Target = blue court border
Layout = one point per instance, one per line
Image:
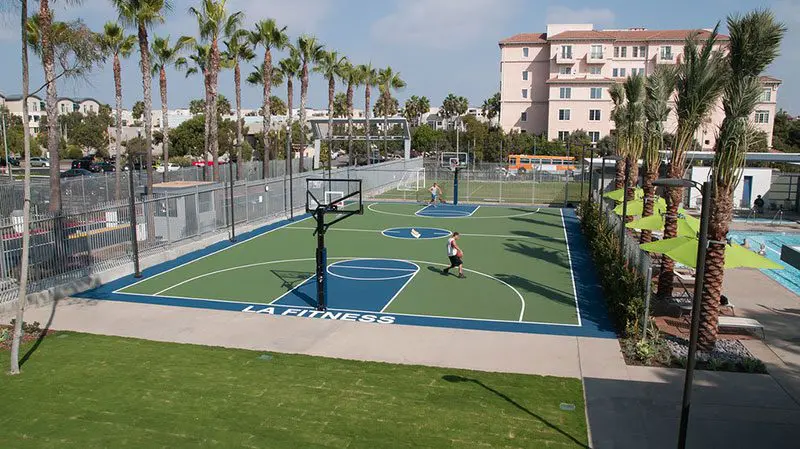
(595, 321)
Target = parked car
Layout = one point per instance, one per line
(40, 162)
(170, 167)
(13, 161)
(76, 172)
(104, 166)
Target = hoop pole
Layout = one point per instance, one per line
(455, 186)
(233, 217)
(137, 273)
(322, 286)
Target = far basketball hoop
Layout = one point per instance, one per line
(454, 163)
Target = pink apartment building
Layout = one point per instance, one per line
(556, 82)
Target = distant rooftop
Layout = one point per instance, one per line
(629, 35)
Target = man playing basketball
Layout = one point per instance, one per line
(455, 254)
(436, 192)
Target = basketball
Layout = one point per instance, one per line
(460, 254)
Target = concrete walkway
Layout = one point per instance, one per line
(627, 406)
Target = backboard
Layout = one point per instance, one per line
(334, 196)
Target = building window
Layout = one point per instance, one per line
(623, 52)
(615, 72)
(524, 93)
(563, 114)
(525, 75)
(616, 52)
(595, 70)
(596, 93)
(563, 135)
(622, 72)
(762, 117)
(565, 70)
(666, 52)
(566, 51)
(597, 52)
(594, 115)
(523, 117)
(766, 95)
(640, 51)
(594, 136)
(525, 52)
(565, 93)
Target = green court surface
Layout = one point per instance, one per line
(484, 191)
(516, 259)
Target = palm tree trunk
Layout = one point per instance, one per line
(367, 92)
(289, 96)
(303, 98)
(386, 97)
(648, 198)
(144, 51)
(619, 175)
(237, 81)
(206, 120)
(118, 143)
(633, 180)
(721, 216)
(350, 123)
(162, 81)
(267, 119)
(213, 130)
(331, 89)
(16, 340)
(48, 63)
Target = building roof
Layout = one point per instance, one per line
(78, 100)
(526, 38)
(18, 97)
(580, 80)
(770, 80)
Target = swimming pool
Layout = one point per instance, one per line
(789, 277)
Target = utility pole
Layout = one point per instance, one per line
(5, 145)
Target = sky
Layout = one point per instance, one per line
(438, 46)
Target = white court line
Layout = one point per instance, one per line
(353, 278)
(417, 213)
(430, 238)
(571, 271)
(209, 254)
(370, 268)
(474, 218)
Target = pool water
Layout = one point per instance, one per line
(789, 277)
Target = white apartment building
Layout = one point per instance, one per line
(557, 82)
(37, 107)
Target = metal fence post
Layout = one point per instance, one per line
(649, 286)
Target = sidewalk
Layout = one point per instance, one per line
(627, 407)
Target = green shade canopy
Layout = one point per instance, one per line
(619, 194)
(637, 207)
(684, 250)
(687, 225)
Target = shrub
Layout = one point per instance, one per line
(74, 152)
(182, 161)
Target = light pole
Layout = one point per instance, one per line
(700, 268)
(232, 160)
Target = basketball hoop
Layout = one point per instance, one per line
(454, 163)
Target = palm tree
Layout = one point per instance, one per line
(289, 69)
(237, 49)
(634, 134)
(270, 36)
(388, 80)
(143, 14)
(699, 84)
(201, 61)
(330, 66)
(353, 77)
(22, 299)
(166, 55)
(213, 22)
(659, 88)
(618, 116)
(115, 43)
(754, 42)
(369, 78)
(310, 51)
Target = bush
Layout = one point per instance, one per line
(624, 287)
(182, 161)
(74, 152)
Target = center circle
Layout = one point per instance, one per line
(416, 233)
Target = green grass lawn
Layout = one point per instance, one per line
(86, 391)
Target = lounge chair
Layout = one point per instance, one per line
(733, 322)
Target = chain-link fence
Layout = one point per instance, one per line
(635, 256)
(99, 237)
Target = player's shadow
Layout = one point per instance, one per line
(531, 219)
(459, 379)
(556, 257)
(291, 279)
(537, 236)
(537, 288)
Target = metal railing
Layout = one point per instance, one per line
(79, 244)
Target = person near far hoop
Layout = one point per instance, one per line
(455, 254)
(436, 192)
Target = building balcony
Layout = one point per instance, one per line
(666, 58)
(565, 59)
(596, 58)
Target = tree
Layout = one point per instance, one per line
(142, 15)
(309, 51)
(165, 55)
(754, 43)
(414, 108)
(786, 133)
(213, 22)
(289, 68)
(423, 138)
(634, 133)
(618, 116)
(201, 63)
(700, 82)
(340, 105)
(75, 49)
(238, 49)
(353, 77)
(277, 106)
(386, 106)
(268, 35)
(91, 131)
(389, 80)
(658, 89)
(453, 106)
(16, 339)
(369, 78)
(115, 43)
(491, 107)
(330, 66)
(197, 107)
(188, 138)
(138, 110)
(605, 146)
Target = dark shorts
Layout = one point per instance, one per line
(455, 261)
